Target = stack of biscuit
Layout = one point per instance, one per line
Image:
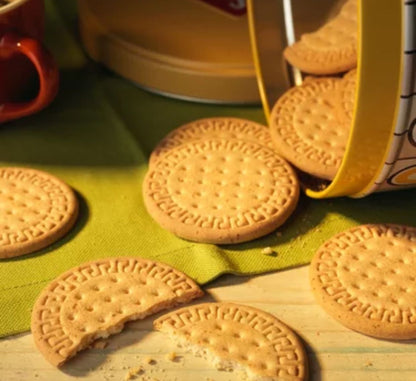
(310, 123)
(228, 180)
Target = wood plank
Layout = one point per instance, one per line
(335, 352)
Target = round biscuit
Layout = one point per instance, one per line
(36, 209)
(218, 127)
(365, 278)
(220, 190)
(331, 49)
(96, 299)
(348, 88)
(233, 334)
(306, 127)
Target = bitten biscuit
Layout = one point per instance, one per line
(308, 128)
(218, 127)
(365, 278)
(96, 299)
(332, 48)
(36, 209)
(220, 190)
(234, 336)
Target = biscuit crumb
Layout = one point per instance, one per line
(133, 372)
(171, 356)
(99, 344)
(150, 361)
(268, 251)
(278, 234)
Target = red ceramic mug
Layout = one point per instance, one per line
(29, 76)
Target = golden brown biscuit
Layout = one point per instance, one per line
(215, 127)
(365, 278)
(308, 129)
(332, 48)
(36, 209)
(220, 190)
(96, 299)
(234, 336)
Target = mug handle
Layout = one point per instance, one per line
(45, 66)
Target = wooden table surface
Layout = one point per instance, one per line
(335, 353)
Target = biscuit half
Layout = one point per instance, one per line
(96, 299)
(238, 337)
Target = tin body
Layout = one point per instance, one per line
(196, 50)
(381, 151)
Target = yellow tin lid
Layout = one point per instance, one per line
(185, 48)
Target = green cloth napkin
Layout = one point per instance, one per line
(97, 136)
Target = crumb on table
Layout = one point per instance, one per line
(171, 356)
(150, 361)
(267, 250)
(133, 372)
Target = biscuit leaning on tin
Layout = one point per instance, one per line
(310, 125)
(331, 49)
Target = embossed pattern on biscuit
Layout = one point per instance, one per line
(332, 48)
(220, 191)
(36, 209)
(365, 278)
(239, 336)
(218, 127)
(96, 299)
(307, 128)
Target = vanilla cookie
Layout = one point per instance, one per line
(307, 128)
(220, 190)
(96, 299)
(348, 89)
(36, 209)
(365, 278)
(332, 48)
(219, 127)
(234, 336)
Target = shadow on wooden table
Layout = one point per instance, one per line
(314, 370)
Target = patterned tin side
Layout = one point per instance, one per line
(399, 170)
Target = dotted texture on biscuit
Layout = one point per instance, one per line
(220, 191)
(220, 127)
(258, 341)
(36, 209)
(366, 279)
(332, 48)
(94, 300)
(348, 88)
(307, 128)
